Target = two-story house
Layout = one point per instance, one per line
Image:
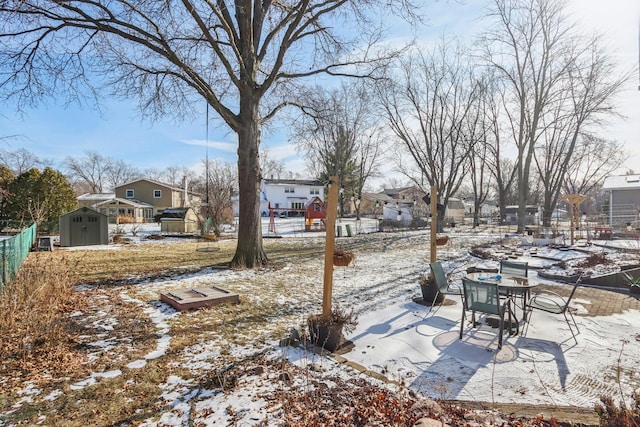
(283, 194)
(142, 199)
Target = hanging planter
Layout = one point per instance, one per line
(342, 258)
(442, 240)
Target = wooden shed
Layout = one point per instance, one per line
(315, 215)
(83, 227)
(179, 220)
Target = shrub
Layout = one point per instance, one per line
(33, 309)
(593, 260)
(612, 416)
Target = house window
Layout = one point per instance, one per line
(289, 190)
(128, 194)
(157, 194)
(297, 205)
(314, 191)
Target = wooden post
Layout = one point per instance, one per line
(574, 201)
(434, 222)
(332, 206)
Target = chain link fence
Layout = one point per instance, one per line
(14, 250)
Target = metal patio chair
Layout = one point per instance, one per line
(518, 269)
(444, 287)
(483, 297)
(514, 268)
(554, 303)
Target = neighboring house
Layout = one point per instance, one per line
(405, 196)
(159, 195)
(283, 194)
(140, 200)
(488, 209)
(372, 204)
(624, 200)
(405, 203)
(83, 227)
(533, 215)
(454, 213)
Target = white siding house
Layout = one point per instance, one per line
(282, 194)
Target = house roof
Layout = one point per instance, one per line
(621, 182)
(381, 197)
(95, 196)
(130, 202)
(308, 182)
(162, 184)
(394, 191)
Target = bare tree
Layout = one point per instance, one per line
(530, 45)
(20, 160)
(595, 159)
(220, 181)
(175, 176)
(340, 133)
(240, 56)
(430, 107)
(120, 173)
(591, 85)
(271, 168)
(480, 172)
(91, 169)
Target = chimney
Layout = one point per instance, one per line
(185, 198)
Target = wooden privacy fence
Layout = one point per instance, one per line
(14, 251)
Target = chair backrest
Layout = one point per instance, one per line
(481, 296)
(573, 291)
(515, 268)
(438, 275)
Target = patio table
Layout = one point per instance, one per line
(511, 285)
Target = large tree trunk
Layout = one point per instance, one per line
(249, 252)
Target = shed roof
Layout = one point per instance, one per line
(621, 182)
(83, 210)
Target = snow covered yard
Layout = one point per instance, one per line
(225, 365)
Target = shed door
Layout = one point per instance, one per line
(85, 230)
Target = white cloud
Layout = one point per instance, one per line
(229, 147)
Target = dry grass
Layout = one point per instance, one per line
(129, 262)
(33, 335)
(48, 326)
(48, 331)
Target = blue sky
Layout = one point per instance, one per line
(54, 132)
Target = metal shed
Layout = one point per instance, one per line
(83, 227)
